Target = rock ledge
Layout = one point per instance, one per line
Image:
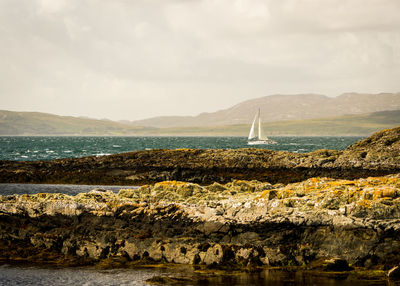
(241, 223)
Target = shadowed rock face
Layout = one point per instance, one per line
(239, 224)
(374, 156)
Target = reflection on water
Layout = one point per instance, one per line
(183, 275)
(10, 275)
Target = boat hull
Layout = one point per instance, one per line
(261, 142)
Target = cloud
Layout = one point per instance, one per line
(190, 56)
(51, 6)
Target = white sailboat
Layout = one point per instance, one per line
(260, 138)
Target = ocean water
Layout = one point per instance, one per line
(28, 148)
(19, 275)
(72, 190)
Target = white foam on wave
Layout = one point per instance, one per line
(67, 151)
(116, 146)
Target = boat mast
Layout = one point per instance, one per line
(261, 135)
(259, 125)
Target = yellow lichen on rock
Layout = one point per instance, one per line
(374, 196)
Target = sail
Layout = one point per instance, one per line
(261, 135)
(252, 134)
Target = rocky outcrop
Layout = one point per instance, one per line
(375, 156)
(381, 150)
(241, 223)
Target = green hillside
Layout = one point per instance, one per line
(35, 123)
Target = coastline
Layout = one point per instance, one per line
(373, 156)
(350, 222)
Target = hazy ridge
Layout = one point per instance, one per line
(305, 114)
(283, 107)
(35, 123)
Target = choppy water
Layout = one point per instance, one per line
(28, 148)
(11, 189)
(12, 275)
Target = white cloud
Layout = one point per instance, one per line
(52, 6)
(190, 56)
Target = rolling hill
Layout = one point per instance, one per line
(283, 107)
(364, 124)
(35, 123)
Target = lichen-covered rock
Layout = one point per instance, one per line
(213, 255)
(379, 151)
(245, 223)
(175, 221)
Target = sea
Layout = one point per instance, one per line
(31, 148)
(186, 275)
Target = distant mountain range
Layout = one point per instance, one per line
(35, 123)
(360, 124)
(282, 107)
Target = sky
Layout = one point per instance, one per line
(135, 59)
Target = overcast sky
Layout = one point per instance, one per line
(133, 59)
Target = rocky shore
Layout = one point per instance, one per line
(318, 222)
(377, 155)
(345, 217)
